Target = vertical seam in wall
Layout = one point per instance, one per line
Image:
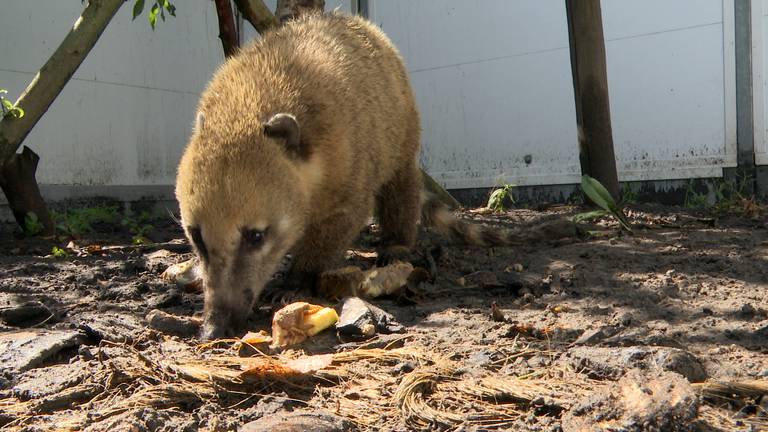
(744, 84)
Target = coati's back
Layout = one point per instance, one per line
(298, 137)
(344, 82)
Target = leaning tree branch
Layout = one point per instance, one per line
(55, 73)
(287, 9)
(258, 14)
(227, 30)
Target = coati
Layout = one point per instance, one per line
(298, 137)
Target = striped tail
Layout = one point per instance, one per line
(436, 215)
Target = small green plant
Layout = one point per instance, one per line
(139, 227)
(32, 224)
(159, 8)
(694, 199)
(499, 196)
(58, 252)
(600, 196)
(628, 196)
(9, 108)
(731, 195)
(728, 196)
(76, 222)
(590, 216)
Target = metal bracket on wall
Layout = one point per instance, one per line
(746, 172)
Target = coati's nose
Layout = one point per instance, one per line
(221, 325)
(211, 332)
(215, 330)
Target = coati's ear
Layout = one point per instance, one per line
(285, 126)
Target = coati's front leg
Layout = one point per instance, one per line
(324, 243)
(398, 206)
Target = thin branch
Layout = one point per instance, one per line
(258, 14)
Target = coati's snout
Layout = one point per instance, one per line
(236, 260)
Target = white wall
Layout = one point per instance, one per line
(671, 79)
(493, 80)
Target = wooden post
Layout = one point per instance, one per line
(230, 40)
(590, 85)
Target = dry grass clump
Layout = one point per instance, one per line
(371, 387)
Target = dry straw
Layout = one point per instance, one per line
(438, 392)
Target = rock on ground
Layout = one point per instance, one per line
(641, 401)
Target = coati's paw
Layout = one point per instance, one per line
(390, 254)
(294, 286)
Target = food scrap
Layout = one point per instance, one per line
(297, 321)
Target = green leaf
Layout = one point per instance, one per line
(3, 91)
(19, 113)
(495, 201)
(589, 216)
(59, 252)
(170, 8)
(138, 8)
(32, 224)
(600, 196)
(153, 15)
(498, 196)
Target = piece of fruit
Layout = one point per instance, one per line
(298, 321)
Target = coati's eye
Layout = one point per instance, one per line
(253, 238)
(197, 240)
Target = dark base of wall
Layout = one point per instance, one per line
(160, 200)
(667, 192)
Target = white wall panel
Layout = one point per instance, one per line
(671, 79)
(493, 80)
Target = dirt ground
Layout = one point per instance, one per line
(547, 336)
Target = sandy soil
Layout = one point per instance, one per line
(685, 293)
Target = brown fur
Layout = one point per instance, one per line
(345, 84)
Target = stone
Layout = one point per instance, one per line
(595, 336)
(641, 401)
(361, 320)
(299, 422)
(31, 312)
(27, 349)
(113, 327)
(173, 325)
(612, 362)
